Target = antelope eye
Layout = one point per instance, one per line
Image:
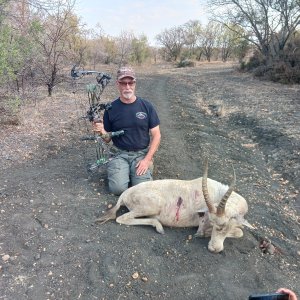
(219, 228)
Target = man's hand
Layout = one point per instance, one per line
(292, 295)
(99, 128)
(142, 166)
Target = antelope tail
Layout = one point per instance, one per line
(109, 215)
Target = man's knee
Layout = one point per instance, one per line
(117, 188)
(118, 176)
(142, 178)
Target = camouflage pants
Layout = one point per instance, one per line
(121, 171)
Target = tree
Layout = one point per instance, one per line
(3, 10)
(192, 36)
(10, 54)
(95, 51)
(124, 44)
(173, 40)
(76, 42)
(231, 43)
(210, 39)
(140, 50)
(16, 46)
(31, 46)
(268, 24)
(51, 31)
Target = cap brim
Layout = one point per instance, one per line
(126, 76)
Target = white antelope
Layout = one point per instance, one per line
(215, 208)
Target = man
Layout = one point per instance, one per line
(140, 122)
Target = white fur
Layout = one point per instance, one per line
(176, 203)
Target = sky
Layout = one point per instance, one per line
(149, 17)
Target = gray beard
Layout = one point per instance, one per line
(127, 95)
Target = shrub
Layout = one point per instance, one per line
(260, 71)
(283, 72)
(185, 63)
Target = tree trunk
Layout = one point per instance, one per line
(50, 88)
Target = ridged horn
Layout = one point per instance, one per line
(222, 204)
(210, 206)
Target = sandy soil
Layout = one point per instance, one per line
(50, 247)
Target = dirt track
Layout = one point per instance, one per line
(50, 247)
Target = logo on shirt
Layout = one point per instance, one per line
(141, 115)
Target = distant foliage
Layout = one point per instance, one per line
(272, 27)
(185, 63)
(284, 70)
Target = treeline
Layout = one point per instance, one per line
(194, 41)
(40, 40)
(272, 29)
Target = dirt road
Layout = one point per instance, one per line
(50, 247)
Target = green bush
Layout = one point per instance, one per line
(185, 63)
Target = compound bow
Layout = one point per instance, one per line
(94, 91)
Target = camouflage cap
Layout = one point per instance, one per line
(125, 72)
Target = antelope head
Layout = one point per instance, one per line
(222, 225)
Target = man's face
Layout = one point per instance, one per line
(126, 87)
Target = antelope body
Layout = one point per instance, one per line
(213, 207)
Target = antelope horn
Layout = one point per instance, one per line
(210, 206)
(222, 204)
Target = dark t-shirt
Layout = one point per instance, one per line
(136, 119)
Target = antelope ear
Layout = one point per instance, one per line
(202, 212)
(247, 224)
(243, 222)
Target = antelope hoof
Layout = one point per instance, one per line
(160, 230)
(199, 234)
